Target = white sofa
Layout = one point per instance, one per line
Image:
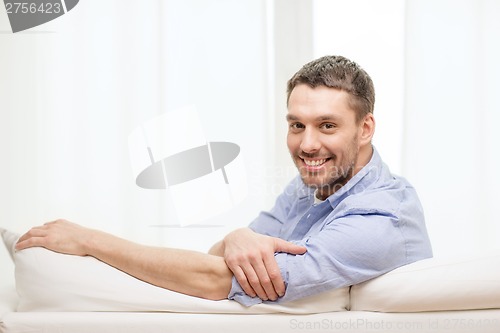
(59, 293)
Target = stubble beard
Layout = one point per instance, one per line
(334, 177)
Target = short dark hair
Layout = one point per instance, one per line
(340, 73)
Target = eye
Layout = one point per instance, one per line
(328, 126)
(296, 127)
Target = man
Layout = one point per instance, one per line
(343, 220)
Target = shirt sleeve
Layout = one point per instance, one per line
(349, 250)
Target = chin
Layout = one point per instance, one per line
(314, 183)
(328, 185)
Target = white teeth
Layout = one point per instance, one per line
(315, 162)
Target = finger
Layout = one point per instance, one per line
(33, 232)
(242, 280)
(274, 273)
(235, 267)
(288, 247)
(29, 242)
(265, 280)
(254, 281)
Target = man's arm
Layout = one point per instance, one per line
(187, 272)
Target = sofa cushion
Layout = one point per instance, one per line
(50, 281)
(466, 283)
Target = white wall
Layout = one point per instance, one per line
(451, 114)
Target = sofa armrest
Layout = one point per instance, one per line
(465, 283)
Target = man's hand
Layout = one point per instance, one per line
(59, 236)
(250, 256)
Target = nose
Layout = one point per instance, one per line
(310, 142)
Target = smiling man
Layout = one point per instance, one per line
(343, 220)
(355, 219)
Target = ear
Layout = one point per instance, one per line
(366, 129)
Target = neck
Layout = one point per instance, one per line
(364, 157)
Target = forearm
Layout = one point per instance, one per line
(184, 271)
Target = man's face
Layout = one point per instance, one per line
(323, 137)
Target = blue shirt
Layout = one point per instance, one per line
(370, 226)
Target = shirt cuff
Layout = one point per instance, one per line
(237, 294)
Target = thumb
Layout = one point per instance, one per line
(281, 245)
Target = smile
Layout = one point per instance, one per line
(314, 163)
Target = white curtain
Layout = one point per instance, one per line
(72, 90)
